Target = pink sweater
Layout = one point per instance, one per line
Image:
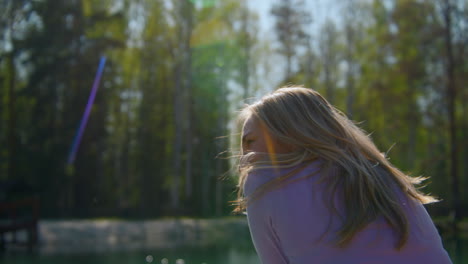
(288, 225)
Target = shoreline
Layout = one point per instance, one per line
(57, 236)
(97, 235)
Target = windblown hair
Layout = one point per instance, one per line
(351, 163)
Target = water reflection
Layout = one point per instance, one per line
(164, 242)
(149, 258)
(457, 248)
(212, 255)
(182, 241)
(104, 236)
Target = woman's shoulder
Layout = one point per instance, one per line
(261, 176)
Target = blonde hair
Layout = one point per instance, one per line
(303, 119)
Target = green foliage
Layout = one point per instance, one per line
(400, 89)
(175, 72)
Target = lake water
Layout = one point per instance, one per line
(193, 255)
(216, 249)
(169, 256)
(457, 249)
(166, 241)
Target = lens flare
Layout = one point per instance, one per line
(84, 119)
(270, 146)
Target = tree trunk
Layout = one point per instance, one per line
(247, 46)
(188, 83)
(308, 67)
(182, 97)
(451, 95)
(177, 154)
(350, 72)
(189, 139)
(330, 92)
(11, 134)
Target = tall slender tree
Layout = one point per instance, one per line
(448, 8)
(330, 58)
(290, 27)
(183, 13)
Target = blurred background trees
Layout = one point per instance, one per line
(176, 72)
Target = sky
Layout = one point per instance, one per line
(321, 10)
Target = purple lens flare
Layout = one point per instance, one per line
(84, 119)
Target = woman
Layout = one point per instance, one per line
(317, 190)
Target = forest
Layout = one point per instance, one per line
(161, 130)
